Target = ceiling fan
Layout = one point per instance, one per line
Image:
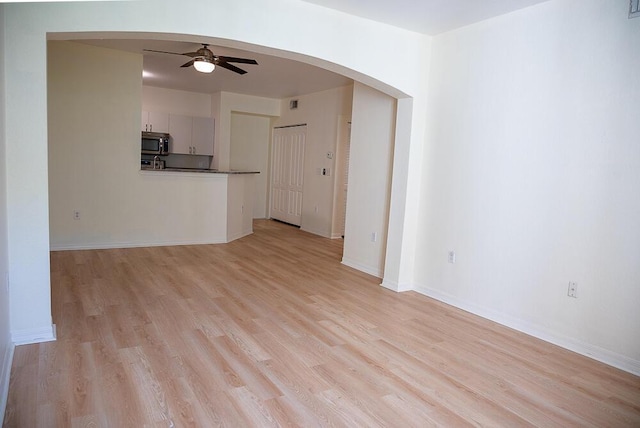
(205, 61)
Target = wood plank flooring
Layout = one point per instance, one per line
(271, 330)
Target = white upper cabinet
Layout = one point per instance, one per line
(180, 128)
(202, 136)
(191, 135)
(154, 121)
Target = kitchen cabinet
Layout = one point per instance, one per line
(154, 121)
(191, 135)
(180, 129)
(202, 136)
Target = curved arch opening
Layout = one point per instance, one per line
(366, 246)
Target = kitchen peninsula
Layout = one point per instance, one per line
(222, 200)
(198, 170)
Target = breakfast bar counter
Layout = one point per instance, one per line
(198, 170)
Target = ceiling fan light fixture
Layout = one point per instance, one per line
(203, 65)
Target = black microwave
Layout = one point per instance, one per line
(154, 143)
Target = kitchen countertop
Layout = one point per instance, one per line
(199, 170)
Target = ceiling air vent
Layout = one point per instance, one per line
(634, 8)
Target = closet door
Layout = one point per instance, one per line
(287, 173)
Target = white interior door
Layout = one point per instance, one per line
(287, 174)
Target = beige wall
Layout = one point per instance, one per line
(94, 162)
(250, 137)
(223, 105)
(341, 176)
(321, 112)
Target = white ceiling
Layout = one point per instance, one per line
(276, 77)
(427, 16)
(273, 77)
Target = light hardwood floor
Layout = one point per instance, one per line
(271, 330)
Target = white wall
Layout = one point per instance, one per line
(532, 175)
(177, 102)
(250, 137)
(321, 112)
(370, 171)
(94, 162)
(5, 331)
(223, 104)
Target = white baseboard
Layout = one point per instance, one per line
(5, 376)
(600, 354)
(34, 335)
(396, 286)
(324, 234)
(113, 245)
(239, 235)
(371, 270)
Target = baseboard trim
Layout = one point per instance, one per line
(114, 245)
(239, 235)
(316, 232)
(588, 350)
(396, 286)
(5, 377)
(371, 270)
(34, 335)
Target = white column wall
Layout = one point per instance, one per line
(370, 171)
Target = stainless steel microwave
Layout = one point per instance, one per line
(154, 143)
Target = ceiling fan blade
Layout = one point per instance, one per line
(188, 64)
(230, 67)
(191, 54)
(238, 60)
(165, 52)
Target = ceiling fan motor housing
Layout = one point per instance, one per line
(205, 54)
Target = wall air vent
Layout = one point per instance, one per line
(634, 9)
(293, 104)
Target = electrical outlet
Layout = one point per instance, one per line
(452, 257)
(573, 290)
(374, 236)
(76, 215)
